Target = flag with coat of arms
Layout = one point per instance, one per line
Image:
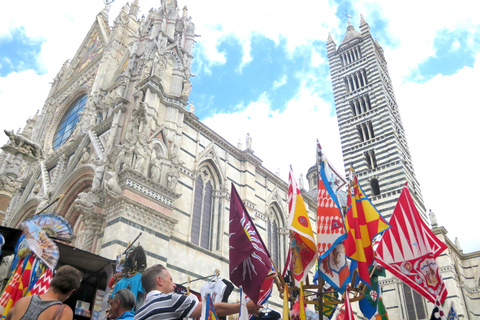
(303, 248)
(409, 249)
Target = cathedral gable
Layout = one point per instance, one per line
(90, 51)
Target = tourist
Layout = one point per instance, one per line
(50, 305)
(162, 303)
(121, 305)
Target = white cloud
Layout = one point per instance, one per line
(280, 82)
(439, 115)
(455, 45)
(284, 138)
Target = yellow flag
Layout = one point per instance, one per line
(301, 300)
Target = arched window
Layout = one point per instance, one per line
(69, 121)
(415, 304)
(275, 241)
(206, 219)
(375, 187)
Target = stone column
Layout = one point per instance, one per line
(92, 223)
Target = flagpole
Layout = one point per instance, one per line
(50, 204)
(279, 281)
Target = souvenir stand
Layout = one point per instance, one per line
(86, 302)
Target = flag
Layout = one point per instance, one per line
(363, 222)
(267, 286)
(17, 284)
(208, 310)
(368, 304)
(437, 312)
(335, 269)
(348, 307)
(302, 246)
(249, 259)
(452, 314)
(381, 311)
(243, 314)
(409, 249)
(330, 226)
(332, 264)
(41, 285)
(286, 310)
(301, 301)
(329, 309)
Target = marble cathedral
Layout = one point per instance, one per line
(118, 140)
(119, 145)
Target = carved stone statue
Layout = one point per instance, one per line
(85, 157)
(97, 177)
(239, 144)
(191, 107)
(248, 141)
(300, 182)
(141, 153)
(173, 176)
(433, 219)
(155, 169)
(112, 185)
(457, 244)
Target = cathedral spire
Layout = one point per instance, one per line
(364, 28)
(134, 8)
(331, 46)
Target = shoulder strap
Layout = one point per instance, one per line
(58, 313)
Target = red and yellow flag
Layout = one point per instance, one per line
(303, 248)
(18, 284)
(363, 222)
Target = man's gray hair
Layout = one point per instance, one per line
(149, 276)
(126, 298)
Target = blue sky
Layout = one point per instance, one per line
(261, 68)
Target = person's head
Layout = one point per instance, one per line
(66, 280)
(123, 300)
(157, 277)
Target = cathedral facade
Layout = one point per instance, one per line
(119, 152)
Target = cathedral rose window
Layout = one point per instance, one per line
(69, 121)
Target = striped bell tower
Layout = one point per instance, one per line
(371, 131)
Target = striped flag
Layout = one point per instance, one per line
(249, 259)
(348, 307)
(363, 222)
(42, 284)
(332, 266)
(330, 226)
(409, 249)
(302, 246)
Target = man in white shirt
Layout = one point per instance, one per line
(162, 303)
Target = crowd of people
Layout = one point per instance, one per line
(161, 301)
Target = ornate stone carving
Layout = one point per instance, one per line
(141, 214)
(9, 184)
(19, 144)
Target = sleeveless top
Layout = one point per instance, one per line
(37, 306)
